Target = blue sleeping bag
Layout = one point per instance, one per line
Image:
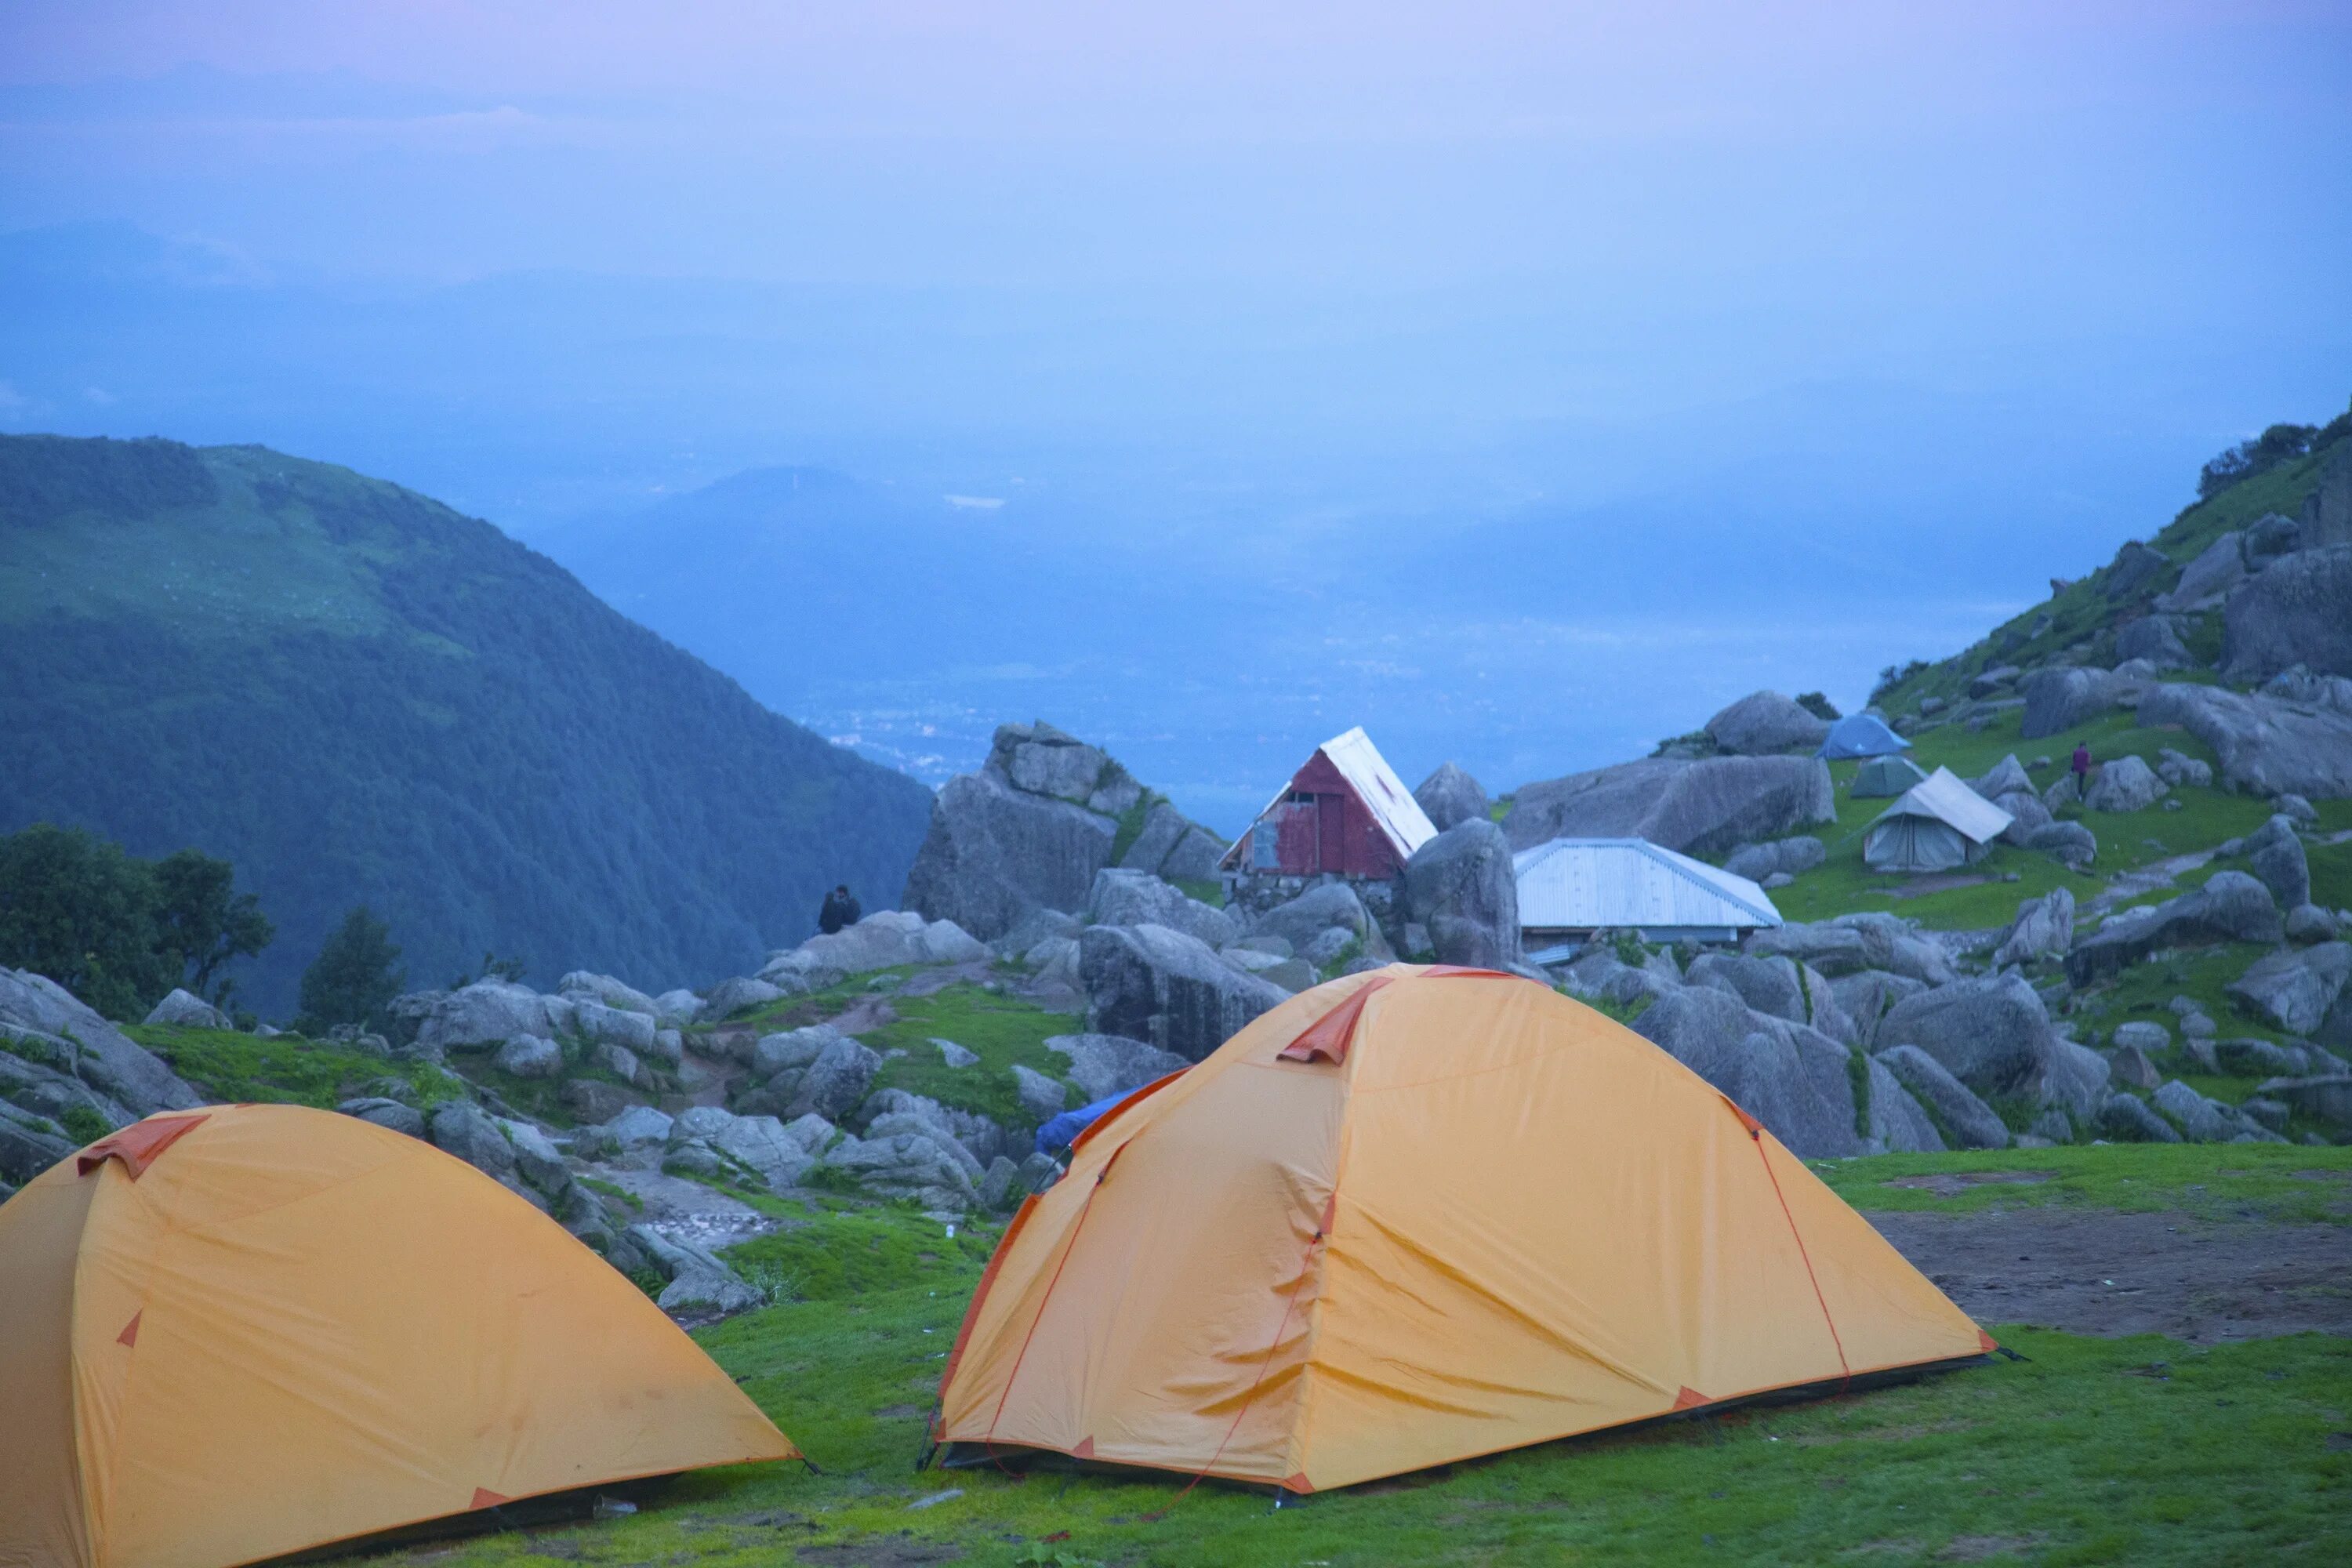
(1063, 1130)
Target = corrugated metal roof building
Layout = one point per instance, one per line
(1344, 812)
(1570, 887)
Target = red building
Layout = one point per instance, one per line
(1344, 814)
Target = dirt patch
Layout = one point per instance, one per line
(897, 1412)
(1978, 1548)
(1919, 886)
(930, 982)
(2095, 1271)
(865, 1015)
(1952, 1183)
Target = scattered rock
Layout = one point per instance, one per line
(2256, 1059)
(188, 1012)
(1970, 1121)
(1462, 886)
(2132, 1068)
(1290, 927)
(2068, 843)
(607, 992)
(2126, 1119)
(1790, 857)
(528, 1056)
(1991, 1034)
(1450, 796)
(2294, 990)
(676, 1009)
(2155, 639)
(1852, 943)
(1105, 1065)
(2135, 567)
(2043, 925)
(955, 1056)
(2057, 700)
(2309, 922)
(2201, 1120)
(1122, 897)
(698, 1282)
(908, 1165)
(817, 1070)
(1865, 995)
(2325, 1096)
(2291, 612)
(2267, 745)
(740, 995)
(1791, 1079)
(1151, 983)
(1764, 722)
(1043, 1098)
(2205, 579)
(1033, 826)
(385, 1112)
(2275, 856)
(2008, 777)
(49, 1028)
(2178, 768)
(2127, 783)
(1702, 806)
(637, 1127)
(2145, 1036)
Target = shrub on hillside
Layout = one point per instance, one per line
(117, 931)
(355, 976)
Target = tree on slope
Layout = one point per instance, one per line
(75, 908)
(355, 976)
(204, 922)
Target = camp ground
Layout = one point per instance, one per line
(245, 1331)
(1938, 823)
(1315, 1261)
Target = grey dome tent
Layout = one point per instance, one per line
(1884, 778)
(1940, 822)
(1861, 735)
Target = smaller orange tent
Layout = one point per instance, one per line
(231, 1333)
(1408, 1217)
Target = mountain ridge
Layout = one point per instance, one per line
(358, 694)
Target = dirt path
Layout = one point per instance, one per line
(2095, 1271)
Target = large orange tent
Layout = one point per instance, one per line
(231, 1333)
(1411, 1216)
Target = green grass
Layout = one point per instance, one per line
(2142, 1451)
(2216, 1181)
(2144, 991)
(234, 1068)
(842, 1251)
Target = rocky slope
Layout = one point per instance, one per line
(359, 696)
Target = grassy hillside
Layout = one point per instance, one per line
(358, 695)
(2083, 615)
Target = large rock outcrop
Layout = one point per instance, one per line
(2297, 991)
(1167, 989)
(1105, 1065)
(2230, 907)
(2296, 610)
(1994, 1036)
(1794, 1080)
(1852, 943)
(1460, 887)
(1033, 826)
(887, 939)
(1449, 796)
(2268, 744)
(59, 1053)
(1702, 806)
(1764, 722)
(2058, 700)
(1124, 898)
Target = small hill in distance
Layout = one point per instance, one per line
(358, 695)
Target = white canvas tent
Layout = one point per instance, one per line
(1939, 823)
(1569, 887)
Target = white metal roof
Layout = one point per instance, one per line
(1576, 884)
(1367, 772)
(1945, 796)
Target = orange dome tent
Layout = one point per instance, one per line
(231, 1333)
(1412, 1217)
